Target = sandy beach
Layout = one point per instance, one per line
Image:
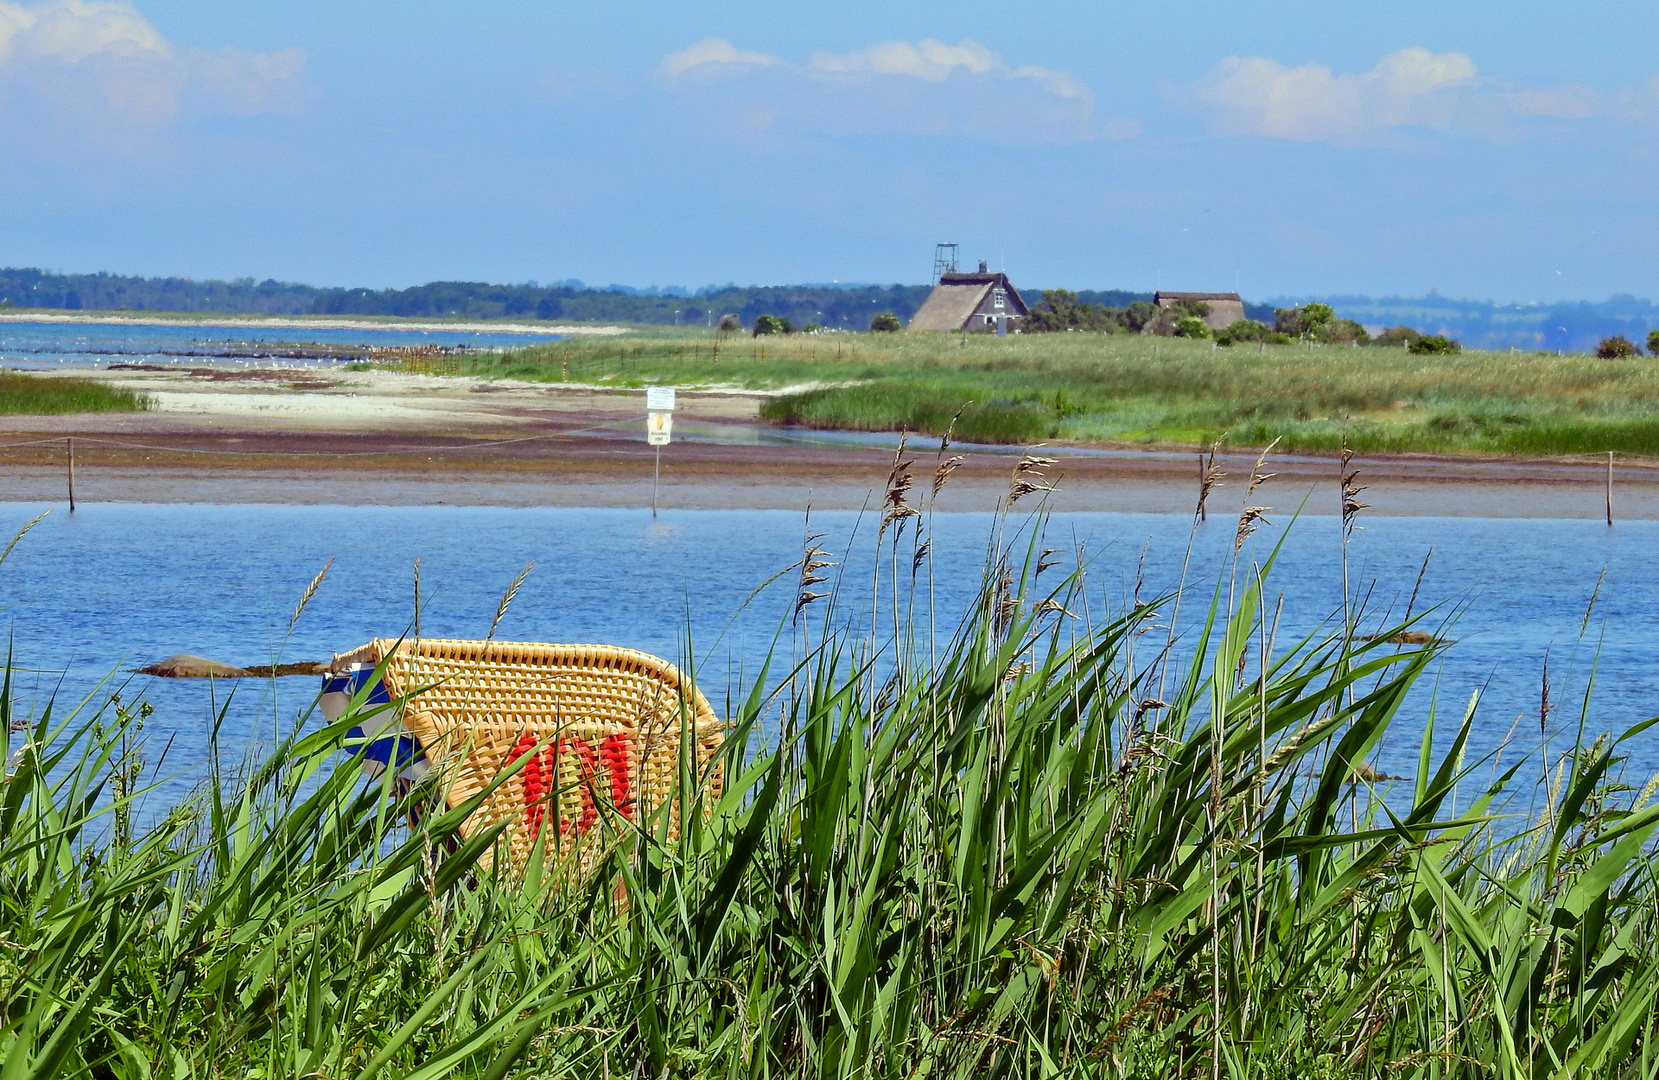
(229, 433)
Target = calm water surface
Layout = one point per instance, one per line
(25, 345)
(120, 585)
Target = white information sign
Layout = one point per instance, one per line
(658, 427)
(659, 399)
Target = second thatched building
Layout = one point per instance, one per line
(1221, 310)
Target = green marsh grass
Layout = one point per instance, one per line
(31, 395)
(1031, 844)
(1132, 390)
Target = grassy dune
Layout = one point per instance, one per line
(1028, 851)
(1154, 392)
(31, 395)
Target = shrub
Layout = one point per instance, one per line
(1242, 330)
(1433, 345)
(773, 324)
(811, 328)
(1653, 342)
(1192, 326)
(1342, 332)
(1274, 337)
(1618, 347)
(1396, 335)
(730, 324)
(886, 323)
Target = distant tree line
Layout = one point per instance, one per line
(1565, 326)
(845, 307)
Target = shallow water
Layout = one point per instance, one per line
(26, 345)
(121, 585)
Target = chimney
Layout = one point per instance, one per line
(982, 267)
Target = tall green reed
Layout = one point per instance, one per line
(988, 849)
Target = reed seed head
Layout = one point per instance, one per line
(950, 429)
(1248, 521)
(1030, 476)
(813, 559)
(507, 599)
(1257, 476)
(943, 471)
(1210, 476)
(310, 591)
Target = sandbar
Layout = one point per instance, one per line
(321, 435)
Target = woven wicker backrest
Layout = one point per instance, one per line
(612, 721)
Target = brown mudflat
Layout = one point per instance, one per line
(304, 436)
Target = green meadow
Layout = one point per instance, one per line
(1142, 391)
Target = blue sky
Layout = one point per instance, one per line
(1505, 151)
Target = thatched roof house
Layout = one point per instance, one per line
(1226, 308)
(963, 301)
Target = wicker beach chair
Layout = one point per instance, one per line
(604, 726)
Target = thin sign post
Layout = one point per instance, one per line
(659, 428)
(1610, 488)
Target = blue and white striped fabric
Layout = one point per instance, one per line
(388, 743)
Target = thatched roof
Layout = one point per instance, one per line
(1225, 309)
(947, 307)
(959, 294)
(1164, 299)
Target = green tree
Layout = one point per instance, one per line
(886, 323)
(1137, 315)
(1060, 310)
(773, 324)
(1305, 321)
(1653, 342)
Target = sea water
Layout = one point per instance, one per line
(85, 597)
(35, 346)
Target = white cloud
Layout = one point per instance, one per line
(709, 57)
(1258, 96)
(927, 87)
(1443, 92)
(1640, 102)
(930, 60)
(98, 64)
(249, 83)
(1561, 102)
